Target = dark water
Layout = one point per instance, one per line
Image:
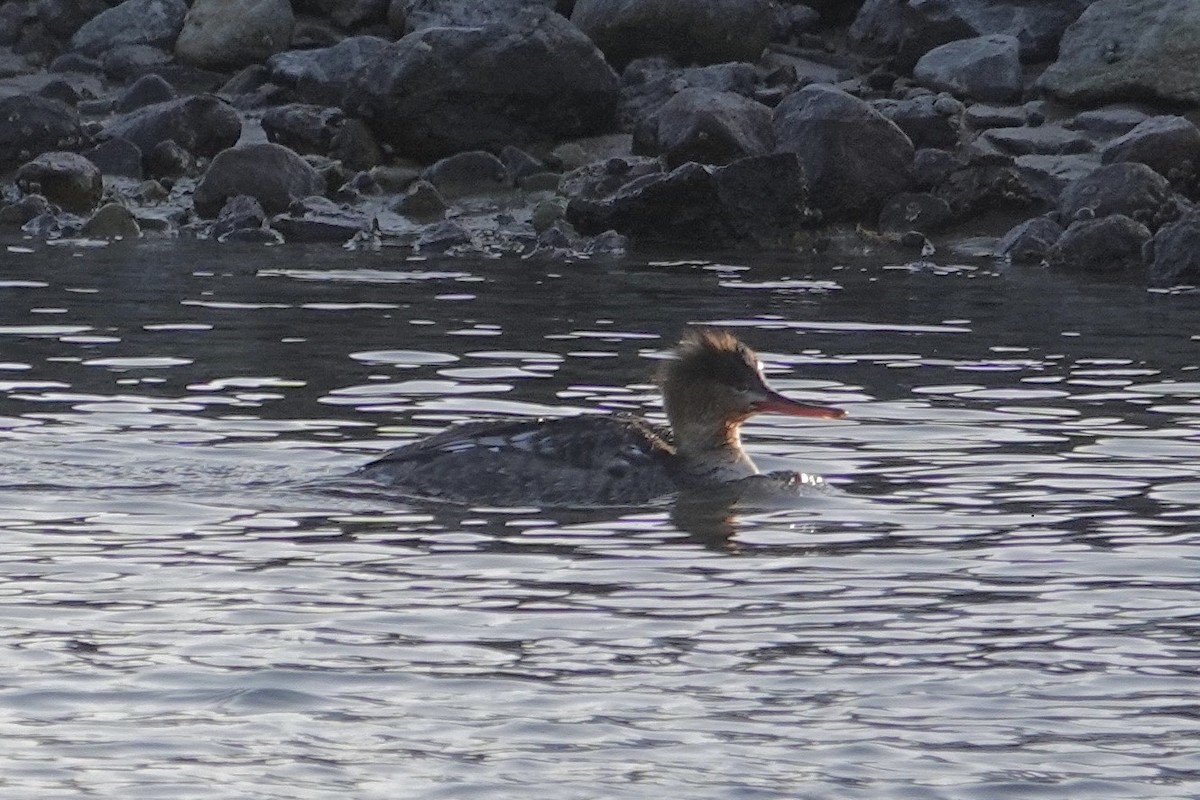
(1003, 603)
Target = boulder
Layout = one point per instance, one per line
(117, 156)
(1163, 143)
(1119, 50)
(764, 199)
(855, 158)
(152, 22)
(1049, 175)
(648, 83)
(983, 68)
(233, 33)
(688, 31)
(1173, 255)
(350, 14)
(421, 14)
(1029, 242)
(145, 91)
(439, 91)
(240, 212)
(1040, 140)
(981, 116)
(1133, 190)
(421, 202)
(67, 179)
(112, 221)
(923, 119)
(915, 211)
(605, 177)
(707, 126)
(324, 74)
(1108, 244)
(270, 173)
(62, 18)
(30, 125)
(1110, 121)
(471, 173)
(985, 182)
(203, 125)
(307, 129)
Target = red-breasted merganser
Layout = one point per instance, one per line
(711, 385)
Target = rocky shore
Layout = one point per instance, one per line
(575, 129)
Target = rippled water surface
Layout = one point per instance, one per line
(1003, 601)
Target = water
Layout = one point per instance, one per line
(196, 602)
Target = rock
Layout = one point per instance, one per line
(67, 179)
(931, 166)
(764, 199)
(603, 178)
(151, 22)
(26, 208)
(422, 14)
(1042, 140)
(1119, 49)
(62, 18)
(117, 156)
(233, 33)
(145, 91)
(112, 221)
(985, 182)
(878, 28)
(127, 61)
(30, 125)
(323, 75)
(440, 91)
(1049, 175)
(915, 212)
(354, 145)
(168, 159)
(983, 68)
(74, 62)
(302, 127)
(647, 84)
(422, 202)
(709, 127)
(854, 157)
(689, 31)
(349, 14)
(1111, 121)
(240, 212)
(317, 219)
(1173, 254)
(203, 125)
(1029, 242)
(1133, 190)
(271, 173)
(520, 164)
(981, 115)
(471, 173)
(1108, 244)
(1163, 143)
(922, 121)
(442, 237)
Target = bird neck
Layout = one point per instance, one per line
(711, 450)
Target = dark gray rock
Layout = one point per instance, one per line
(168, 159)
(519, 163)
(981, 116)
(112, 221)
(878, 29)
(422, 202)
(919, 211)
(25, 209)
(443, 237)
(923, 120)
(74, 62)
(1163, 143)
(707, 126)
(351, 14)
(1120, 50)
(127, 61)
(1049, 175)
(66, 179)
(62, 18)
(931, 166)
(1111, 121)
(1042, 140)
(1173, 255)
(764, 199)
(985, 182)
(1029, 242)
(983, 68)
(317, 219)
(602, 178)
(203, 125)
(233, 33)
(1105, 245)
(471, 173)
(117, 156)
(854, 157)
(30, 125)
(1133, 190)
(151, 22)
(146, 90)
(439, 91)
(240, 212)
(60, 90)
(307, 129)
(689, 31)
(421, 14)
(647, 84)
(354, 145)
(323, 75)
(271, 173)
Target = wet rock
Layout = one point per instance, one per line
(983, 68)
(422, 202)
(764, 198)
(1108, 244)
(442, 237)
(1173, 255)
(354, 145)
(30, 125)
(169, 159)
(1049, 175)
(1112, 121)
(67, 179)
(62, 18)
(117, 156)
(203, 125)
(1163, 143)
(1131, 189)
(922, 120)
(520, 164)
(985, 182)
(1119, 49)
(74, 62)
(604, 177)
(112, 221)
(421, 14)
(854, 157)
(129, 61)
(60, 90)
(647, 84)
(351, 14)
(918, 211)
(323, 75)
(707, 126)
(303, 127)
(931, 166)
(689, 31)
(548, 212)
(151, 22)
(234, 33)
(240, 212)
(981, 116)
(470, 173)
(1029, 242)
(1042, 140)
(145, 91)
(317, 219)
(26, 208)
(271, 173)
(444, 90)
